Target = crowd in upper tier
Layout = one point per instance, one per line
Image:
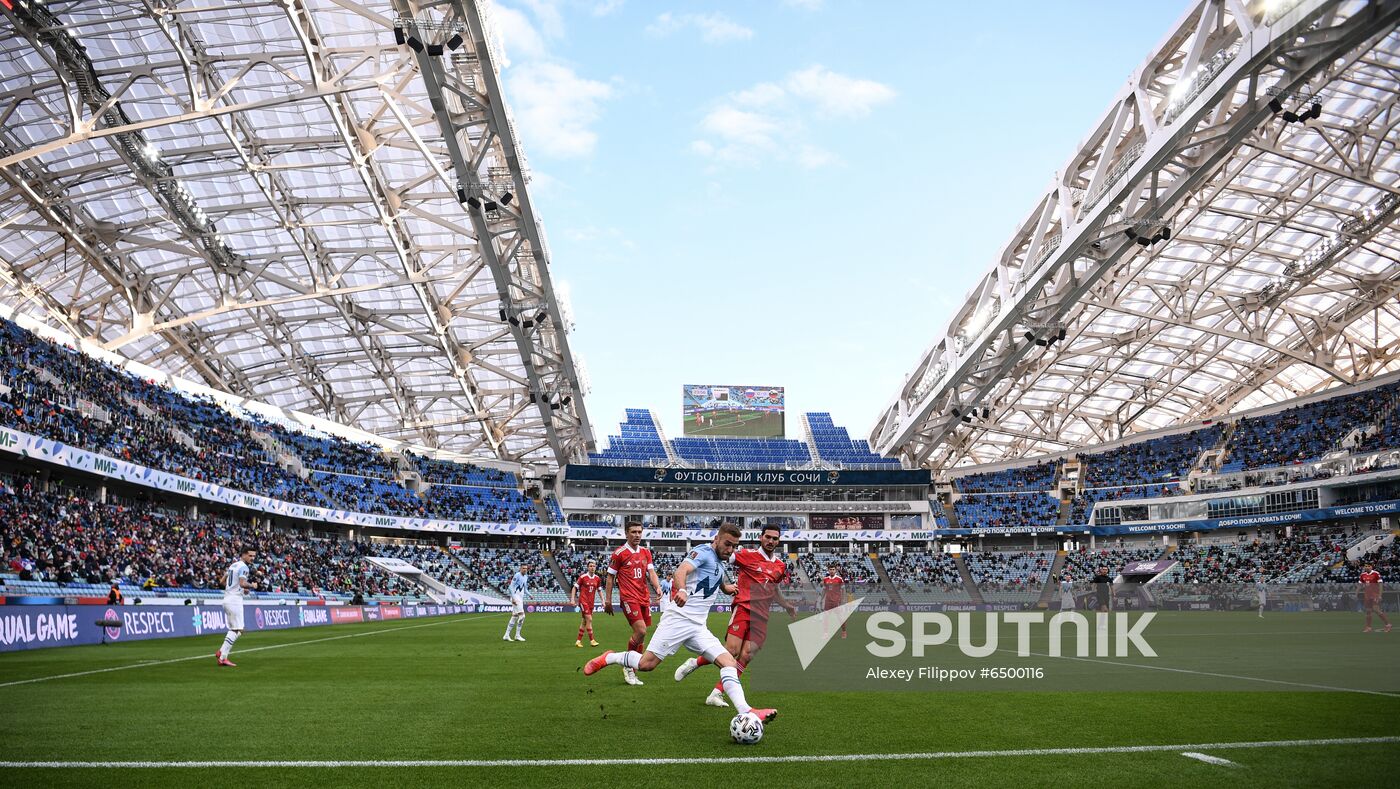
(68, 537)
(57, 393)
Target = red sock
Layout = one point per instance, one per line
(590, 632)
(634, 644)
(701, 661)
(719, 686)
(580, 632)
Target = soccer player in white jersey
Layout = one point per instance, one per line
(697, 582)
(236, 585)
(519, 590)
(1262, 592)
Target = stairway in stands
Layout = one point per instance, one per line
(671, 457)
(969, 585)
(809, 438)
(952, 512)
(885, 579)
(281, 453)
(149, 413)
(564, 583)
(1210, 460)
(1052, 582)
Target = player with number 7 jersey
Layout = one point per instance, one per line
(631, 568)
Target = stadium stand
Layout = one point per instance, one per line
(1037, 477)
(834, 445)
(1005, 510)
(496, 566)
(854, 568)
(433, 561)
(1009, 576)
(742, 452)
(1156, 460)
(59, 539)
(1279, 560)
(639, 443)
(1307, 432)
(58, 393)
(924, 577)
(446, 472)
(1386, 560)
(1082, 564)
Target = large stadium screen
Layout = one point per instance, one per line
(735, 411)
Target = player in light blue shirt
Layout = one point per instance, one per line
(695, 586)
(519, 590)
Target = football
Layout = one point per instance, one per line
(746, 728)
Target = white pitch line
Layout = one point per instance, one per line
(206, 656)
(841, 757)
(1215, 760)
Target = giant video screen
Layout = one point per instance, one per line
(733, 411)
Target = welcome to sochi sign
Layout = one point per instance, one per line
(39, 626)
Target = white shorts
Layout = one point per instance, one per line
(675, 632)
(517, 603)
(233, 612)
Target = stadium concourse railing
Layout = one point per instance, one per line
(42, 626)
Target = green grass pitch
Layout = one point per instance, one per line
(451, 689)
(745, 424)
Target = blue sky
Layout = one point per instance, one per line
(793, 193)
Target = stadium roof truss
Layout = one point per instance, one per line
(1225, 237)
(319, 204)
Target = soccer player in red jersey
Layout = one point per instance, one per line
(632, 568)
(833, 592)
(1371, 596)
(760, 573)
(582, 596)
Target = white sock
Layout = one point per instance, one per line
(510, 625)
(628, 659)
(228, 642)
(519, 627)
(729, 678)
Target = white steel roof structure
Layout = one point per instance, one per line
(319, 204)
(1226, 236)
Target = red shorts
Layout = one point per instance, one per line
(1370, 603)
(585, 607)
(829, 603)
(636, 612)
(748, 626)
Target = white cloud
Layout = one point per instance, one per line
(772, 120)
(515, 35)
(548, 17)
(748, 128)
(714, 28)
(606, 7)
(836, 94)
(556, 108)
(811, 157)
